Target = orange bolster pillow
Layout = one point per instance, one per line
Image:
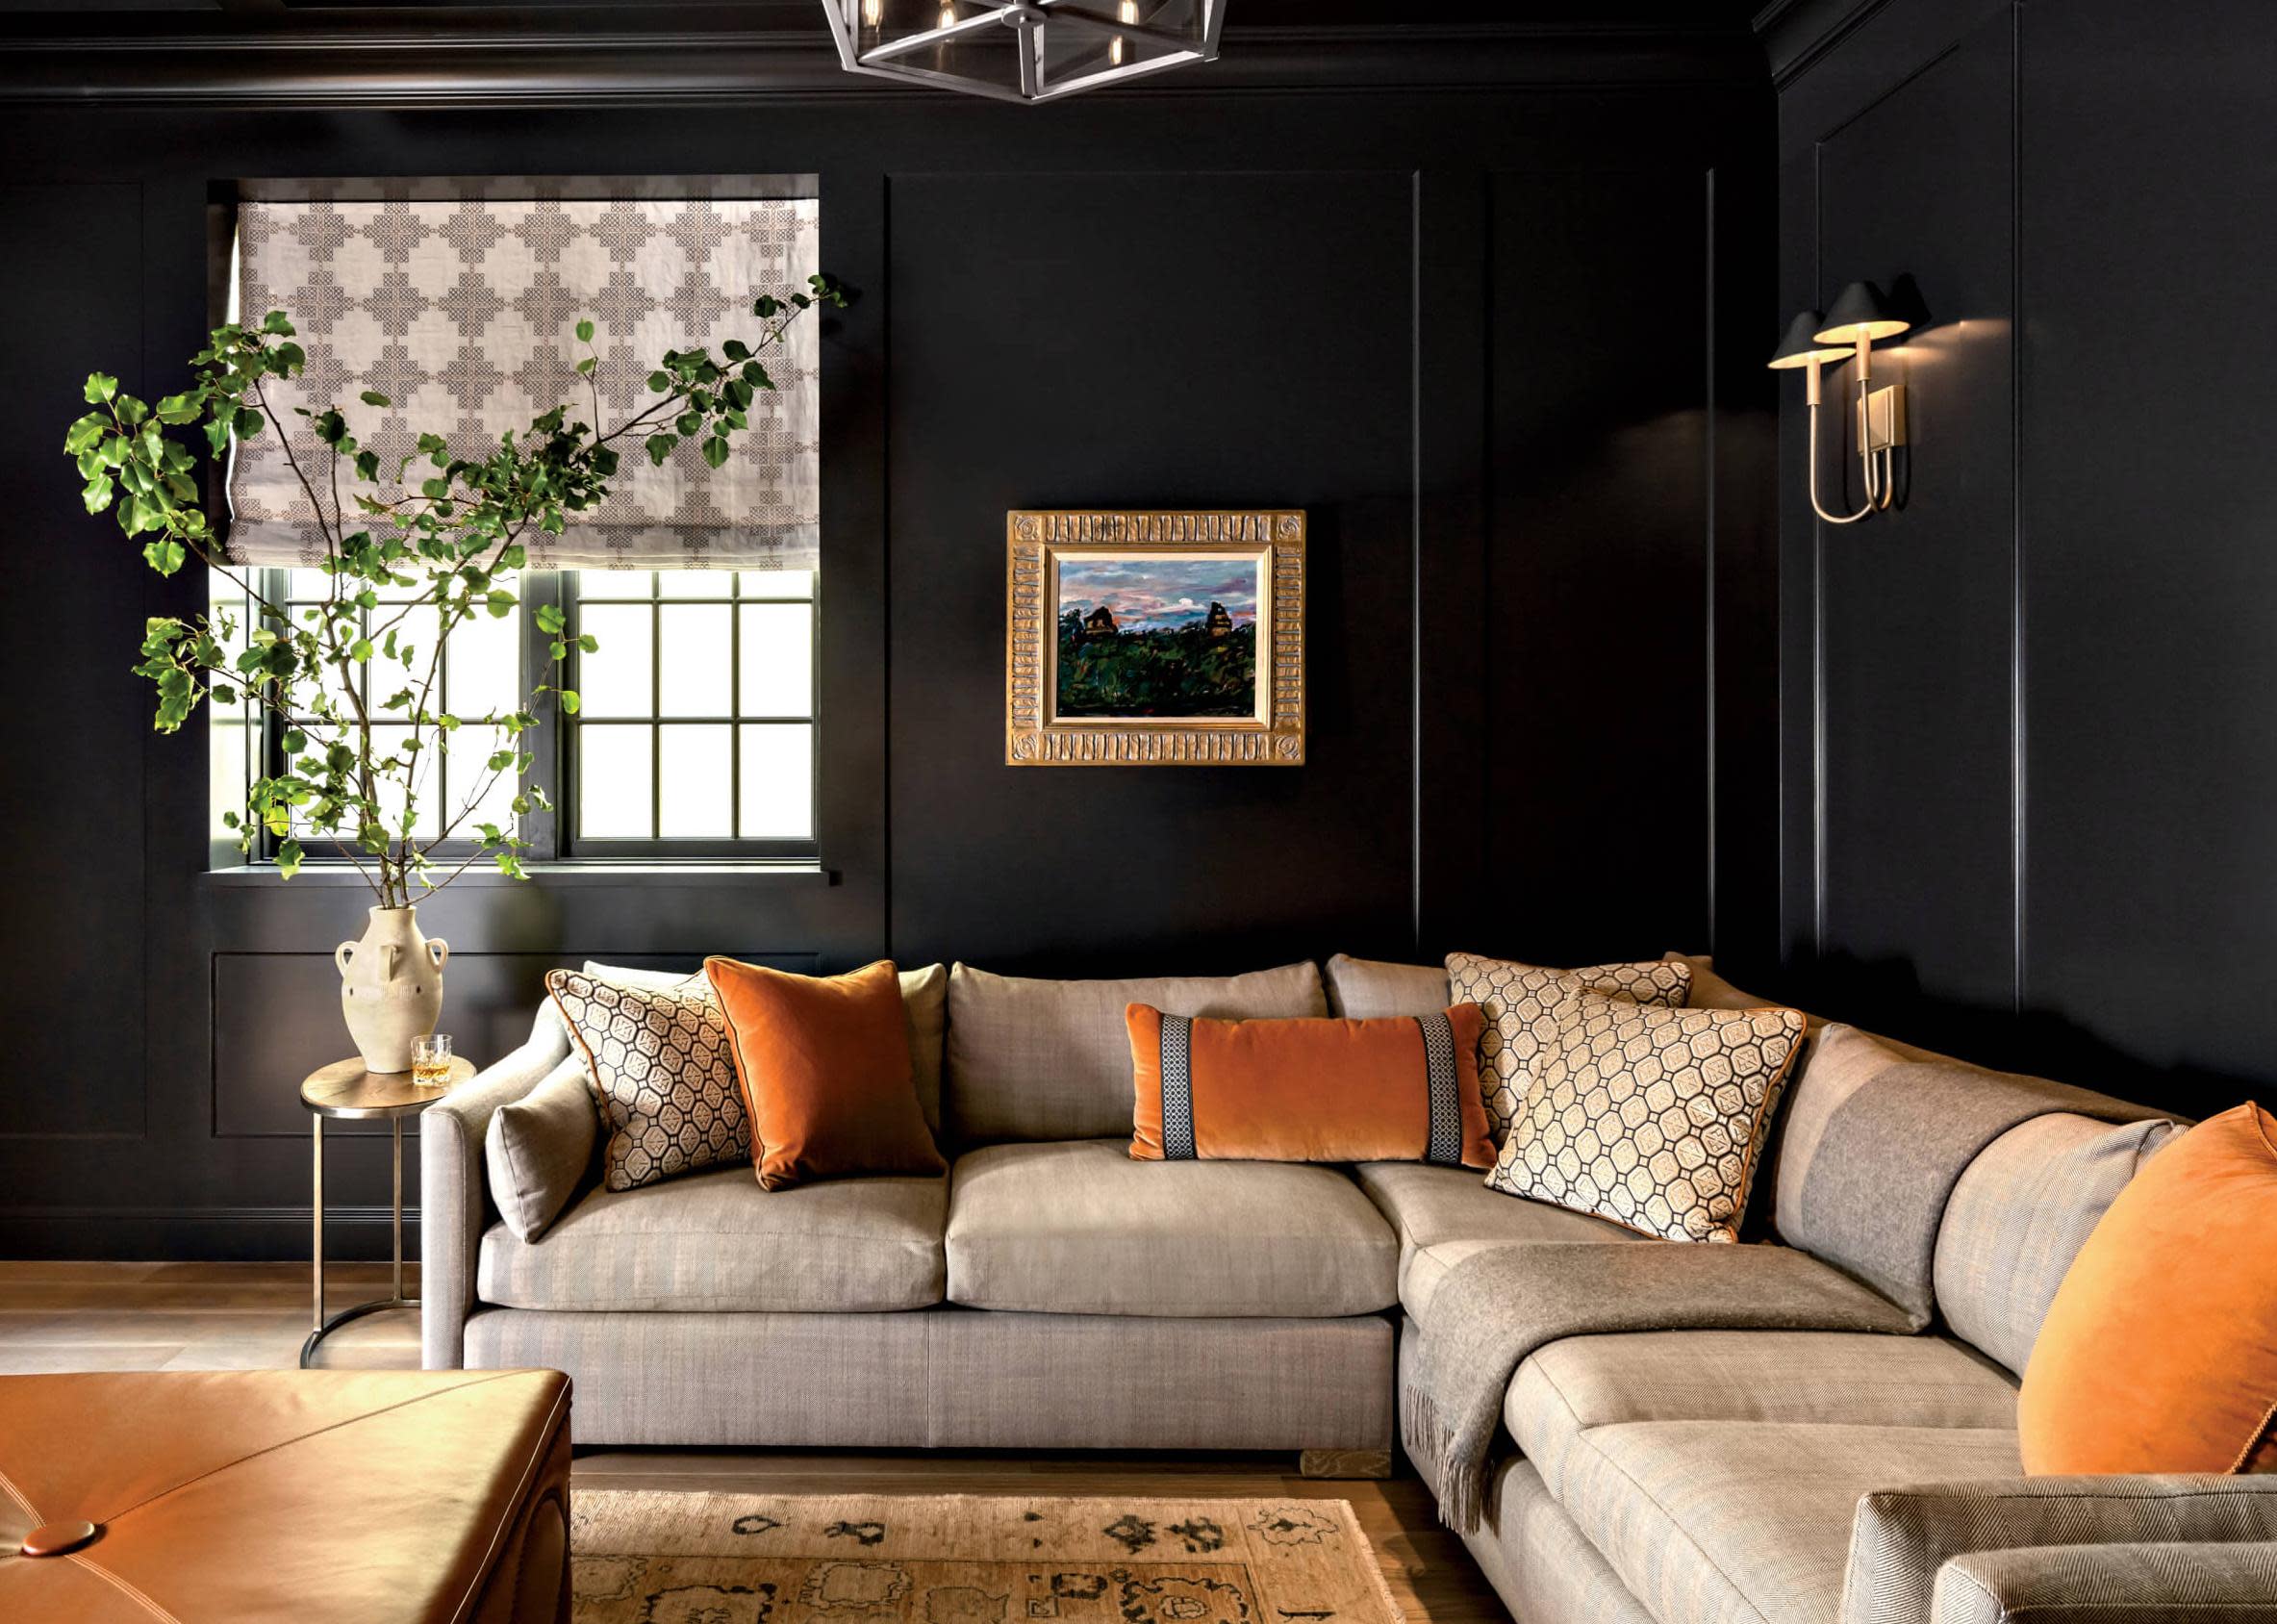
(1398, 1089)
(2160, 1351)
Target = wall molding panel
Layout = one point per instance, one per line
(2022, 795)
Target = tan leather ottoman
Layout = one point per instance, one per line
(329, 1497)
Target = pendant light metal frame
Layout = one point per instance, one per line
(891, 59)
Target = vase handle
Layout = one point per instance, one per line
(341, 955)
(439, 951)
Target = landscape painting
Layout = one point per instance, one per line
(1152, 638)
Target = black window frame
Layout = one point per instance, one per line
(552, 832)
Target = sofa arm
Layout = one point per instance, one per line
(1902, 1539)
(2202, 1584)
(454, 1200)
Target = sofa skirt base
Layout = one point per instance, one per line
(952, 1378)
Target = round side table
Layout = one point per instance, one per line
(345, 1089)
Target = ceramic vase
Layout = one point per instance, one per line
(390, 987)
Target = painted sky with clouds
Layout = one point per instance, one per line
(1157, 593)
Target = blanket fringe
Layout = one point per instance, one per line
(1431, 1443)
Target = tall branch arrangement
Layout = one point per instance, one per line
(451, 539)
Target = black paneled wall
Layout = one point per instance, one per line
(2027, 763)
(1405, 295)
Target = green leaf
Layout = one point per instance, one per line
(359, 650)
(247, 422)
(570, 700)
(585, 367)
(274, 322)
(689, 423)
(98, 493)
(296, 741)
(374, 397)
(289, 857)
(589, 644)
(100, 387)
(501, 604)
(659, 382)
(715, 450)
(585, 331)
(660, 446)
(550, 618)
(764, 306)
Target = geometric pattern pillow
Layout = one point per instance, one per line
(661, 1065)
(1519, 1001)
(1652, 1117)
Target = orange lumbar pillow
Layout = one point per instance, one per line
(1404, 1088)
(823, 1065)
(2160, 1351)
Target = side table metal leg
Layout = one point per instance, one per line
(315, 1237)
(396, 1128)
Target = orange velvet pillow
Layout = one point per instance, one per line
(823, 1065)
(2160, 1351)
(1405, 1089)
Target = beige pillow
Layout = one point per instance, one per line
(1518, 999)
(537, 1148)
(1652, 1117)
(661, 1065)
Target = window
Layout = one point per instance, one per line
(695, 738)
(695, 731)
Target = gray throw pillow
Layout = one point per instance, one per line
(537, 1149)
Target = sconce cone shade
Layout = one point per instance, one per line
(1801, 347)
(1861, 312)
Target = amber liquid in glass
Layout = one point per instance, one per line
(430, 1074)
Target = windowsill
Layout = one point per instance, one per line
(691, 871)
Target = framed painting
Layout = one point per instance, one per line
(1155, 639)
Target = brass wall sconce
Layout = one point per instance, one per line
(1847, 332)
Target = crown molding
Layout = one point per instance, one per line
(723, 55)
(1797, 33)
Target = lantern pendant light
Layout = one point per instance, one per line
(1023, 50)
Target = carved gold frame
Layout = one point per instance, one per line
(1035, 540)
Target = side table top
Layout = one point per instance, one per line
(346, 1089)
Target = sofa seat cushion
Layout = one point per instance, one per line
(1748, 1522)
(1443, 1214)
(718, 1243)
(1773, 1376)
(1078, 1227)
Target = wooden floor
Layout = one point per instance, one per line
(247, 1317)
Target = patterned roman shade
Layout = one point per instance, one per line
(462, 313)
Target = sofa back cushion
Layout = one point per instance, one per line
(1875, 1137)
(2020, 1214)
(1370, 989)
(1036, 1059)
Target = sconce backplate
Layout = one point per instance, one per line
(1882, 420)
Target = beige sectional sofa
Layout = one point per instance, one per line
(1050, 1293)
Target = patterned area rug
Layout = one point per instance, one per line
(663, 1558)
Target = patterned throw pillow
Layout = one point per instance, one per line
(1652, 1117)
(661, 1065)
(1519, 1000)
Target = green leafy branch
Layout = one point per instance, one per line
(450, 539)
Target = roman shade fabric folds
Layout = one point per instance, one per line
(463, 315)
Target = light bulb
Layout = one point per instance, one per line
(1125, 12)
(873, 13)
(947, 17)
